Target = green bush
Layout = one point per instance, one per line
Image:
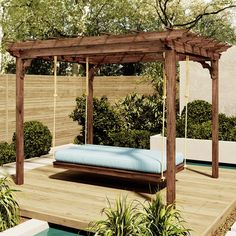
(132, 138)
(162, 220)
(37, 139)
(232, 135)
(226, 127)
(151, 219)
(105, 120)
(7, 153)
(124, 220)
(141, 112)
(199, 111)
(9, 208)
(199, 123)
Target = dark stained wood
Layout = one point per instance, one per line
(125, 174)
(181, 41)
(170, 68)
(107, 49)
(215, 118)
(96, 40)
(19, 121)
(90, 107)
(124, 49)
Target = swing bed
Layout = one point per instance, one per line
(127, 163)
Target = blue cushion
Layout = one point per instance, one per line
(134, 159)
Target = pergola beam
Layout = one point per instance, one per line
(97, 40)
(139, 47)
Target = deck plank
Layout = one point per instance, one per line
(74, 200)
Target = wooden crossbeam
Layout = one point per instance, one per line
(142, 47)
(95, 40)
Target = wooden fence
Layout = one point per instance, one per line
(39, 92)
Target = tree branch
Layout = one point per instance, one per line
(192, 23)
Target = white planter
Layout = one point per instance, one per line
(28, 228)
(199, 149)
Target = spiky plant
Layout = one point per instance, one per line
(123, 220)
(162, 220)
(9, 208)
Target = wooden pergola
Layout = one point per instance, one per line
(168, 47)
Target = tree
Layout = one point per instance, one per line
(33, 19)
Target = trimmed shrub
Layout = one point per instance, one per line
(141, 112)
(37, 139)
(226, 126)
(105, 120)
(132, 138)
(199, 111)
(7, 153)
(232, 135)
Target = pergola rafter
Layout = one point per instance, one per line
(167, 47)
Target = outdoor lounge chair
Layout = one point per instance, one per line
(129, 163)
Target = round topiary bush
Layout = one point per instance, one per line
(37, 139)
(199, 111)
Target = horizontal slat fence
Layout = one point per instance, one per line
(39, 92)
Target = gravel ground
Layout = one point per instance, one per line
(222, 230)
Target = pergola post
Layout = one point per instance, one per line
(215, 117)
(89, 138)
(20, 73)
(170, 68)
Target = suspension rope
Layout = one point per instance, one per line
(7, 107)
(86, 101)
(54, 102)
(163, 121)
(186, 111)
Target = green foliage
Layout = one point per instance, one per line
(156, 219)
(199, 123)
(124, 220)
(141, 112)
(37, 139)
(105, 120)
(227, 127)
(162, 220)
(9, 208)
(7, 153)
(132, 138)
(199, 111)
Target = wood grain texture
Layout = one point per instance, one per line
(215, 118)
(90, 107)
(170, 69)
(130, 47)
(38, 102)
(119, 173)
(20, 73)
(72, 199)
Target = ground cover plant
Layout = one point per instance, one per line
(9, 208)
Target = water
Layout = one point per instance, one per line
(57, 232)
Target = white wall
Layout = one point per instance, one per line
(200, 82)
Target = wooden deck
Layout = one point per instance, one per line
(70, 199)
